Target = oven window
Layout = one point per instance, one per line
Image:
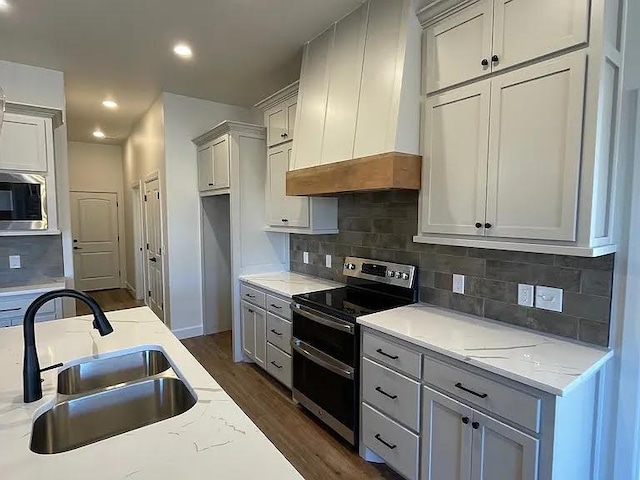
(335, 343)
(333, 393)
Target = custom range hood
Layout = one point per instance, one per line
(358, 121)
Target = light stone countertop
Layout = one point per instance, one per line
(543, 362)
(213, 439)
(41, 287)
(288, 284)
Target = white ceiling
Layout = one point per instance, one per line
(243, 50)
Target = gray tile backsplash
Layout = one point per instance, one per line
(41, 259)
(381, 226)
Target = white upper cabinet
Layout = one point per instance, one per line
(205, 168)
(344, 88)
(283, 210)
(280, 121)
(213, 165)
(527, 29)
(24, 143)
(534, 150)
(458, 48)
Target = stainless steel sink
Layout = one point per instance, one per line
(105, 413)
(102, 373)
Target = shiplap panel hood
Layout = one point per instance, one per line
(358, 119)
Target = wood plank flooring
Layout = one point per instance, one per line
(109, 300)
(315, 452)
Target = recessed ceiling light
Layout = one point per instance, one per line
(4, 5)
(107, 103)
(182, 50)
(99, 134)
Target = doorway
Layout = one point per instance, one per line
(96, 240)
(138, 243)
(153, 260)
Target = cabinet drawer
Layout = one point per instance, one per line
(16, 306)
(393, 394)
(279, 306)
(391, 354)
(252, 295)
(519, 407)
(279, 365)
(279, 332)
(391, 441)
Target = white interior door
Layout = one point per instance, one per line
(154, 247)
(94, 225)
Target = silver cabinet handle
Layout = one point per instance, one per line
(322, 359)
(318, 317)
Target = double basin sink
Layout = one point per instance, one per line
(102, 398)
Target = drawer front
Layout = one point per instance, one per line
(279, 332)
(519, 407)
(391, 393)
(279, 365)
(391, 354)
(252, 295)
(391, 441)
(16, 306)
(279, 306)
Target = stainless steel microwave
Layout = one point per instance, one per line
(23, 202)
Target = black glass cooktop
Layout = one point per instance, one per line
(350, 302)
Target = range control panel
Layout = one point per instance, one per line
(383, 272)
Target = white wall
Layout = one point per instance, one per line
(99, 168)
(184, 119)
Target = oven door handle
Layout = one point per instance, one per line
(319, 318)
(322, 359)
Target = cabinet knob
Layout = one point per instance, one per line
(284, 135)
(495, 59)
(284, 220)
(478, 225)
(211, 184)
(475, 425)
(465, 420)
(487, 225)
(484, 62)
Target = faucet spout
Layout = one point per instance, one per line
(32, 382)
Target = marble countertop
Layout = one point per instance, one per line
(288, 284)
(213, 439)
(41, 287)
(543, 362)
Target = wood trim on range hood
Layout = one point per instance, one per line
(386, 171)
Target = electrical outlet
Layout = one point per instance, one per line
(525, 295)
(548, 298)
(458, 283)
(305, 257)
(327, 261)
(14, 261)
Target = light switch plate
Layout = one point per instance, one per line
(458, 283)
(525, 295)
(305, 257)
(549, 298)
(14, 261)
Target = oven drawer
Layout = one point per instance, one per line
(252, 295)
(519, 407)
(393, 394)
(391, 441)
(279, 306)
(279, 332)
(279, 365)
(391, 354)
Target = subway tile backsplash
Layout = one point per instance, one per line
(381, 226)
(41, 259)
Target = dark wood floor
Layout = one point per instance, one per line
(308, 445)
(109, 300)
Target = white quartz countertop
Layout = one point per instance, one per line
(288, 284)
(42, 287)
(547, 363)
(214, 439)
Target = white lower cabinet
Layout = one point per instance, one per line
(13, 308)
(254, 324)
(279, 365)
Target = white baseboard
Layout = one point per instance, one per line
(132, 290)
(188, 332)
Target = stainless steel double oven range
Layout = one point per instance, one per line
(326, 338)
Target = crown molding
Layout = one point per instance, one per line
(280, 96)
(228, 126)
(56, 116)
(436, 10)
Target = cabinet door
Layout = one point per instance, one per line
(501, 452)
(344, 87)
(205, 169)
(456, 47)
(23, 143)
(221, 162)
(248, 330)
(446, 438)
(260, 317)
(276, 123)
(528, 29)
(314, 85)
(283, 211)
(291, 109)
(534, 150)
(456, 134)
